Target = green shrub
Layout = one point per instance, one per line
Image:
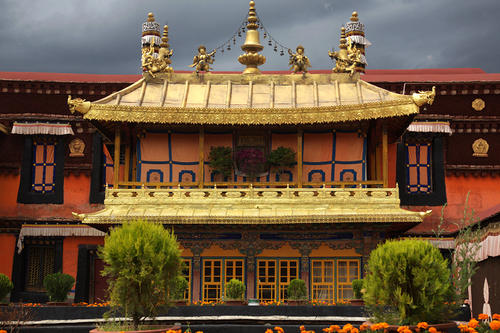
(58, 285)
(235, 289)
(281, 158)
(6, 286)
(297, 289)
(357, 285)
(143, 263)
(181, 284)
(221, 160)
(407, 282)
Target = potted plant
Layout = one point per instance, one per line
(58, 286)
(251, 162)
(6, 287)
(221, 161)
(181, 285)
(235, 292)
(297, 292)
(357, 289)
(408, 282)
(281, 159)
(142, 261)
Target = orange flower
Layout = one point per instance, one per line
(472, 323)
(463, 328)
(432, 330)
(384, 325)
(269, 330)
(402, 328)
(354, 330)
(407, 330)
(302, 328)
(347, 327)
(279, 329)
(363, 327)
(496, 316)
(483, 316)
(495, 325)
(423, 325)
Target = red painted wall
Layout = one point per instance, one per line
(7, 248)
(484, 194)
(70, 252)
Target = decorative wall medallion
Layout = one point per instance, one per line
(76, 148)
(480, 148)
(478, 104)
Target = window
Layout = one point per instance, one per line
(329, 287)
(216, 272)
(322, 281)
(269, 279)
(186, 273)
(42, 178)
(40, 263)
(420, 171)
(347, 271)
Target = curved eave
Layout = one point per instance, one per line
(252, 116)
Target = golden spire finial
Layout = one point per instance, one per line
(164, 38)
(151, 17)
(354, 17)
(252, 45)
(343, 41)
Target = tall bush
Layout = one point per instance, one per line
(58, 285)
(407, 282)
(143, 263)
(297, 290)
(6, 286)
(221, 161)
(281, 158)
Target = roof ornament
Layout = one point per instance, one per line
(150, 34)
(78, 104)
(153, 63)
(424, 97)
(299, 61)
(203, 59)
(252, 45)
(355, 31)
(348, 58)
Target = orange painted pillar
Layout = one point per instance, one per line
(7, 249)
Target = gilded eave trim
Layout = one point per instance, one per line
(252, 116)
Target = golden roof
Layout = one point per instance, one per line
(253, 206)
(248, 99)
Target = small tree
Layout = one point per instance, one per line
(221, 161)
(407, 282)
(281, 158)
(6, 286)
(58, 285)
(297, 289)
(181, 284)
(143, 263)
(235, 289)
(357, 286)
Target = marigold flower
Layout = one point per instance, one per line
(269, 330)
(473, 323)
(402, 328)
(423, 325)
(483, 316)
(335, 328)
(384, 325)
(495, 325)
(302, 328)
(463, 328)
(363, 327)
(432, 330)
(279, 329)
(347, 327)
(407, 330)
(354, 330)
(496, 316)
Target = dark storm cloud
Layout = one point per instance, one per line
(103, 36)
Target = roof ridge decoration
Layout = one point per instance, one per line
(252, 45)
(156, 59)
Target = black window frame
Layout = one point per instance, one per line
(25, 194)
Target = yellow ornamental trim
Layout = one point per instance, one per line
(252, 116)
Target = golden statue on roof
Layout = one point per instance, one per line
(203, 59)
(154, 63)
(299, 61)
(348, 57)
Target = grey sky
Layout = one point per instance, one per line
(75, 36)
